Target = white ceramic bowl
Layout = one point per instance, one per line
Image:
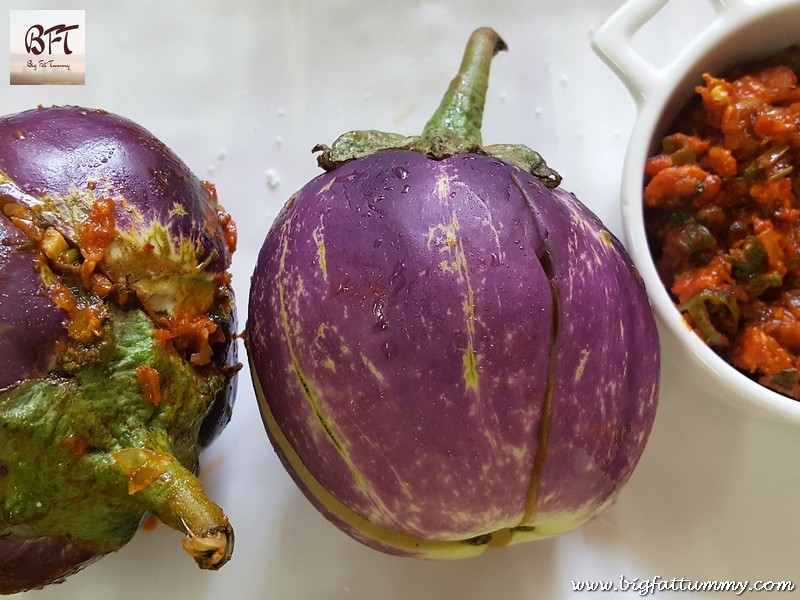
(738, 31)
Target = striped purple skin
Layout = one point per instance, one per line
(402, 322)
(55, 151)
(30, 324)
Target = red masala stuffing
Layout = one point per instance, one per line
(96, 234)
(225, 220)
(23, 219)
(189, 334)
(150, 383)
(193, 336)
(75, 445)
(85, 319)
(63, 298)
(87, 323)
(722, 206)
(150, 523)
(231, 233)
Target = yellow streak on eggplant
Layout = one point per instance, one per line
(322, 332)
(319, 240)
(372, 369)
(310, 391)
(443, 186)
(606, 238)
(445, 236)
(327, 186)
(582, 365)
(177, 211)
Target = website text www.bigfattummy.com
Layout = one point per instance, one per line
(645, 587)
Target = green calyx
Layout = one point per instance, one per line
(86, 452)
(454, 128)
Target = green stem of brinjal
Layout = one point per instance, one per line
(459, 117)
(455, 127)
(159, 483)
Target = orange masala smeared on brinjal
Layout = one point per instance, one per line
(117, 345)
(722, 204)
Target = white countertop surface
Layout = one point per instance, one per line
(241, 91)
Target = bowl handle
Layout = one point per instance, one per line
(612, 42)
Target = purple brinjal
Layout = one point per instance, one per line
(117, 343)
(450, 351)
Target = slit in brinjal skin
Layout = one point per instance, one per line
(429, 516)
(546, 263)
(544, 424)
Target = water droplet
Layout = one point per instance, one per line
(374, 208)
(377, 243)
(405, 189)
(342, 287)
(495, 260)
(400, 172)
(399, 280)
(273, 179)
(378, 310)
(389, 348)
